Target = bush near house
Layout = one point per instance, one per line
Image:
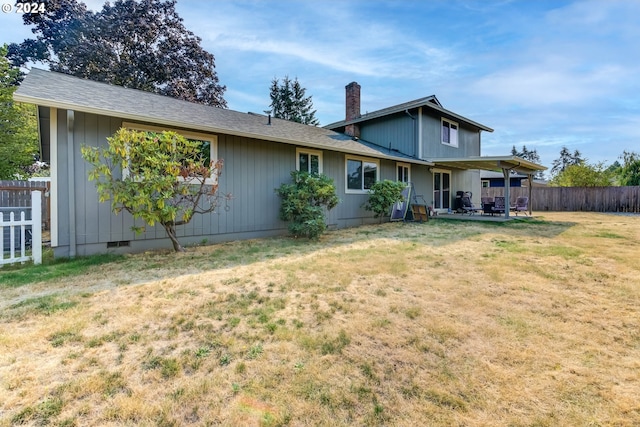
(304, 201)
(383, 195)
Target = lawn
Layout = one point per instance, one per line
(445, 323)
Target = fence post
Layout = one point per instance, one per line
(36, 227)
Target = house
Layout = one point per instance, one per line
(425, 130)
(421, 142)
(491, 179)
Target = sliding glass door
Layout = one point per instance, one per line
(441, 190)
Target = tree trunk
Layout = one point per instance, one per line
(170, 228)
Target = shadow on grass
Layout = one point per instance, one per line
(225, 255)
(52, 269)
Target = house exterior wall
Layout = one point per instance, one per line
(433, 148)
(253, 169)
(399, 131)
(466, 181)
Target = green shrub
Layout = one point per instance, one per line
(382, 195)
(304, 202)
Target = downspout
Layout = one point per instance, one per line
(71, 184)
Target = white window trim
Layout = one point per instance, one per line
(450, 122)
(348, 190)
(406, 165)
(310, 152)
(213, 139)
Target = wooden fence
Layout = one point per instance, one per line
(575, 199)
(17, 194)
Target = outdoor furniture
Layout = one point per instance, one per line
(498, 205)
(487, 205)
(522, 205)
(468, 207)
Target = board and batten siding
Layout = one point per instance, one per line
(399, 132)
(253, 169)
(433, 148)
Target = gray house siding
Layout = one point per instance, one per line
(399, 131)
(433, 148)
(253, 169)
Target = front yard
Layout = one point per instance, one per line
(443, 323)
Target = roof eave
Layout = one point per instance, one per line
(495, 163)
(403, 107)
(211, 129)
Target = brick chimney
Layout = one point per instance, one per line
(352, 105)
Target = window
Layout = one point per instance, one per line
(403, 172)
(449, 133)
(208, 143)
(308, 160)
(361, 174)
(485, 183)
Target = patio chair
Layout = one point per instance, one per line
(468, 207)
(487, 205)
(522, 205)
(498, 205)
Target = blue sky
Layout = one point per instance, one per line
(544, 74)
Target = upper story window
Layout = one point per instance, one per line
(208, 144)
(308, 160)
(361, 174)
(449, 132)
(403, 173)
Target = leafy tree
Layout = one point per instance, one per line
(629, 172)
(136, 44)
(18, 124)
(288, 102)
(530, 155)
(583, 175)
(166, 181)
(304, 201)
(382, 195)
(566, 159)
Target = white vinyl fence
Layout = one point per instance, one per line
(22, 233)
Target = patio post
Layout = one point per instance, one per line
(530, 176)
(507, 184)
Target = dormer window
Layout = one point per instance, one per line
(449, 133)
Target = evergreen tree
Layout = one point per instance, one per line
(136, 44)
(565, 160)
(288, 102)
(530, 155)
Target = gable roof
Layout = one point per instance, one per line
(51, 89)
(428, 101)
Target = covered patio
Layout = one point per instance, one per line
(504, 164)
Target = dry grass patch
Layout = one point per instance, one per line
(443, 323)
